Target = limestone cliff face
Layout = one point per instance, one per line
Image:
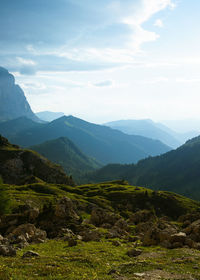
(13, 103)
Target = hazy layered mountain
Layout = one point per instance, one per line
(11, 128)
(13, 103)
(103, 143)
(49, 116)
(147, 128)
(176, 171)
(63, 152)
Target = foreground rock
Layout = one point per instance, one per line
(30, 254)
(27, 233)
(7, 251)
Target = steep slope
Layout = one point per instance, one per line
(176, 171)
(63, 152)
(103, 143)
(13, 103)
(18, 166)
(10, 128)
(146, 128)
(49, 116)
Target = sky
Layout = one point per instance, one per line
(105, 60)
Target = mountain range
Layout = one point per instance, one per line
(104, 144)
(153, 130)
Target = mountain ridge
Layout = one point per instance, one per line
(103, 143)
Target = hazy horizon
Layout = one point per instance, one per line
(105, 61)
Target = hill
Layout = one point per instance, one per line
(63, 152)
(10, 128)
(103, 143)
(13, 103)
(18, 166)
(176, 171)
(147, 128)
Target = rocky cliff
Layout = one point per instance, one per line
(13, 103)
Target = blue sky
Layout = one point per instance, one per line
(105, 60)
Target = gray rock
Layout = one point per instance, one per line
(7, 250)
(134, 252)
(30, 254)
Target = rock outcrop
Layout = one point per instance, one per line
(13, 103)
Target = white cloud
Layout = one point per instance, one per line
(24, 61)
(158, 23)
(107, 83)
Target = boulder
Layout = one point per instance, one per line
(178, 237)
(27, 233)
(30, 254)
(100, 217)
(91, 235)
(134, 252)
(65, 209)
(193, 231)
(7, 250)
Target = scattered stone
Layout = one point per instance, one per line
(134, 252)
(139, 274)
(7, 250)
(27, 233)
(30, 254)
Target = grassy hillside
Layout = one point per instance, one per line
(176, 171)
(19, 166)
(63, 152)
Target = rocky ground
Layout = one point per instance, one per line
(57, 242)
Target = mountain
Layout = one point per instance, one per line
(13, 103)
(63, 152)
(19, 166)
(176, 171)
(147, 128)
(10, 128)
(103, 143)
(49, 116)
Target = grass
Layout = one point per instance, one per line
(94, 260)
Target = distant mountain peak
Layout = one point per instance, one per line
(13, 103)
